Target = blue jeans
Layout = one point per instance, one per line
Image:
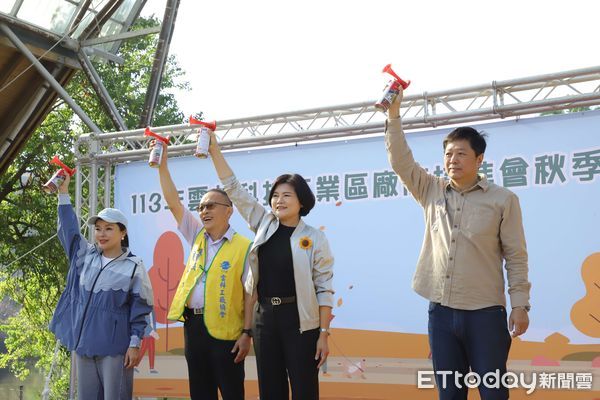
(463, 341)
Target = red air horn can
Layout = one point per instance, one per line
(157, 152)
(203, 136)
(391, 90)
(59, 176)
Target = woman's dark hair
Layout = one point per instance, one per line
(125, 241)
(305, 195)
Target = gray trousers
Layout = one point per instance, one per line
(103, 378)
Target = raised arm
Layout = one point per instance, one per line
(415, 178)
(69, 234)
(168, 188)
(248, 207)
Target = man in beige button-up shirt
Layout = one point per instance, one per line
(473, 229)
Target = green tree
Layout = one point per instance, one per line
(127, 84)
(28, 216)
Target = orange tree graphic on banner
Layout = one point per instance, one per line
(165, 274)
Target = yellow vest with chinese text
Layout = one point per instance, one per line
(223, 290)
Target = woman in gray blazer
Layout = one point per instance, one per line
(291, 273)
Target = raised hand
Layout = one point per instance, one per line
(64, 187)
(394, 110)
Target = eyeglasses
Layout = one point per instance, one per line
(210, 205)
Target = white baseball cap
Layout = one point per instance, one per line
(111, 215)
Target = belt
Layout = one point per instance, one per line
(195, 311)
(277, 301)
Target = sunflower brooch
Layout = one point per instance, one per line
(305, 243)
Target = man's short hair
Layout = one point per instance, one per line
(476, 139)
(222, 193)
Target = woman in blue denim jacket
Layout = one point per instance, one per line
(101, 315)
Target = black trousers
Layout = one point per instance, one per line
(282, 352)
(210, 363)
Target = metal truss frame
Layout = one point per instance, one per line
(97, 153)
(55, 56)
